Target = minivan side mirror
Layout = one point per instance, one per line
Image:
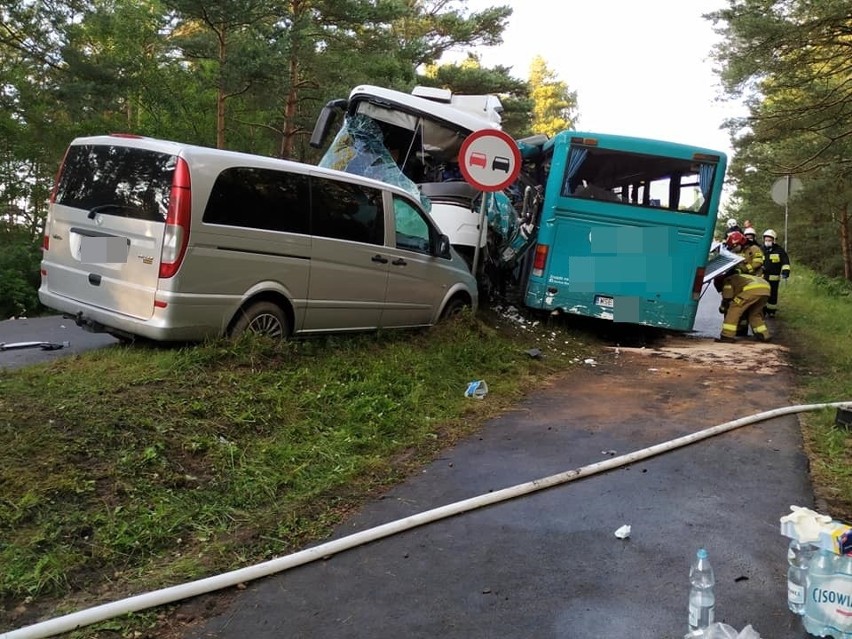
(326, 118)
(444, 246)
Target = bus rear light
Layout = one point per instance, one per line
(176, 232)
(540, 259)
(160, 304)
(698, 283)
(584, 141)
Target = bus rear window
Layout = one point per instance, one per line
(117, 180)
(639, 180)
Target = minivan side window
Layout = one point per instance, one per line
(412, 229)
(117, 180)
(346, 211)
(256, 198)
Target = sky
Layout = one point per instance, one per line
(639, 68)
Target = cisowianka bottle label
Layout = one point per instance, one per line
(830, 601)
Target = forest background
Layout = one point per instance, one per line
(252, 75)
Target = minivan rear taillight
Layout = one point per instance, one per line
(176, 233)
(540, 259)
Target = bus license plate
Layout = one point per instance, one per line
(603, 300)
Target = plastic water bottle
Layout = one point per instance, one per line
(702, 600)
(798, 556)
(828, 597)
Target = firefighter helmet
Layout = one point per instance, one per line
(731, 223)
(770, 233)
(736, 239)
(750, 231)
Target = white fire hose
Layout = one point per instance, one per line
(73, 621)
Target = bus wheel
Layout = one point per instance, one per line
(262, 318)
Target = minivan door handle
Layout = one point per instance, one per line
(380, 259)
(399, 262)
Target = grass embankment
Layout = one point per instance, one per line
(132, 468)
(816, 316)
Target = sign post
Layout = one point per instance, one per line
(781, 191)
(490, 161)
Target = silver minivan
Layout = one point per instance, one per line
(176, 242)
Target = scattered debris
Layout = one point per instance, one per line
(477, 389)
(611, 453)
(623, 532)
(590, 362)
(535, 353)
(45, 346)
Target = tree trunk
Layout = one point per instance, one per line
(220, 93)
(845, 244)
(287, 137)
(290, 111)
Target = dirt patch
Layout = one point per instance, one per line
(754, 357)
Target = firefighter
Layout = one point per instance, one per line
(776, 268)
(742, 296)
(752, 253)
(752, 264)
(731, 226)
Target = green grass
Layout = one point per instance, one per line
(132, 468)
(817, 321)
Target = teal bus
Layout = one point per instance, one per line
(625, 227)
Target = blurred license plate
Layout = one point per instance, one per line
(603, 300)
(103, 250)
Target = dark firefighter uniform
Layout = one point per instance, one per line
(776, 266)
(743, 296)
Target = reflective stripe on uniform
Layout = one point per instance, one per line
(760, 329)
(774, 278)
(756, 285)
(729, 327)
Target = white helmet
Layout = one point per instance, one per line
(750, 231)
(731, 223)
(770, 233)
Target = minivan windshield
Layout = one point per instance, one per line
(117, 180)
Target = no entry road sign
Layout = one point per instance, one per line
(489, 160)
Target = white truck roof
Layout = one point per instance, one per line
(464, 111)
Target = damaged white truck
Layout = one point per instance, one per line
(413, 141)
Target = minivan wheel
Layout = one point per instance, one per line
(262, 318)
(453, 308)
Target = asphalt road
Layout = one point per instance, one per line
(53, 329)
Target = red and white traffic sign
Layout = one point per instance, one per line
(489, 160)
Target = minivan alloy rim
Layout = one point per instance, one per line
(266, 324)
